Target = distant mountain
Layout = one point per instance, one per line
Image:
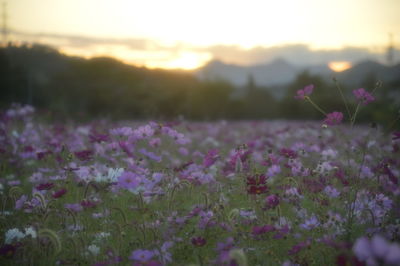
(279, 73)
(367, 71)
(275, 73)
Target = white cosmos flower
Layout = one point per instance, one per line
(112, 175)
(95, 250)
(13, 234)
(30, 231)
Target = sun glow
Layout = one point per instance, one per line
(339, 66)
(185, 60)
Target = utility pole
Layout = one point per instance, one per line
(4, 23)
(390, 51)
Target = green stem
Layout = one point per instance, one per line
(200, 259)
(315, 105)
(278, 212)
(343, 99)
(353, 119)
(393, 123)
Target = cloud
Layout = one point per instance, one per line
(140, 49)
(78, 41)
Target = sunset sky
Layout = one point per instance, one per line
(186, 33)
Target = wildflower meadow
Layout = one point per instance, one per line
(200, 193)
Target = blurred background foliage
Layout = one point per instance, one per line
(72, 87)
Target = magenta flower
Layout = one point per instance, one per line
(334, 118)
(272, 201)
(59, 193)
(84, 155)
(288, 153)
(364, 96)
(298, 247)
(88, 204)
(7, 251)
(307, 90)
(396, 135)
(256, 184)
(259, 230)
(198, 241)
(45, 186)
(42, 154)
(211, 157)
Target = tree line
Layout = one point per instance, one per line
(104, 87)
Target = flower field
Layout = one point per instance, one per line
(186, 193)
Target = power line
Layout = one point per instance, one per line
(4, 26)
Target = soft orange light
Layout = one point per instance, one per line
(339, 66)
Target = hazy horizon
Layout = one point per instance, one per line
(187, 34)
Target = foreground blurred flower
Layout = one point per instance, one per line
(307, 90)
(377, 250)
(364, 96)
(334, 118)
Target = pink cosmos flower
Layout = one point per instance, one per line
(307, 90)
(141, 255)
(334, 118)
(364, 96)
(128, 180)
